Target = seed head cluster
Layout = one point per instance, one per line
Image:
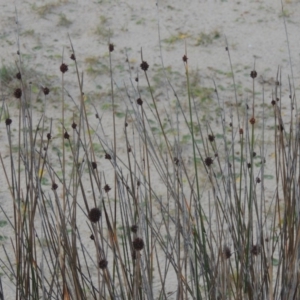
(144, 66)
(138, 244)
(94, 214)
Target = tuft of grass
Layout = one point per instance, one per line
(205, 39)
(172, 200)
(64, 21)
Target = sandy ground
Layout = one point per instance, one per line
(254, 30)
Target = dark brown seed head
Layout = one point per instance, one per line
(144, 66)
(136, 79)
(92, 237)
(94, 214)
(73, 56)
(49, 136)
(226, 252)
(94, 165)
(107, 188)
(139, 101)
(208, 161)
(176, 161)
(226, 48)
(255, 250)
(252, 121)
(138, 244)
(111, 47)
(211, 137)
(258, 180)
(253, 74)
(18, 93)
(54, 186)
(249, 166)
(254, 154)
(66, 136)
(273, 102)
(46, 91)
(103, 264)
(97, 116)
(63, 68)
(74, 125)
(129, 149)
(280, 127)
(241, 131)
(134, 228)
(8, 121)
(18, 76)
(184, 58)
(230, 124)
(107, 156)
(126, 124)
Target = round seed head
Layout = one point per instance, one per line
(139, 101)
(54, 186)
(8, 121)
(18, 93)
(92, 237)
(253, 74)
(107, 188)
(73, 56)
(74, 125)
(66, 136)
(241, 131)
(258, 180)
(184, 58)
(138, 244)
(211, 137)
(144, 66)
(111, 47)
(226, 252)
(103, 264)
(18, 76)
(208, 161)
(94, 214)
(46, 91)
(107, 156)
(94, 165)
(63, 68)
(134, 228)
(49, 136)
(252, 121)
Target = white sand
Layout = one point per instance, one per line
(252, 28)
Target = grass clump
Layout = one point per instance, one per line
(172, 193)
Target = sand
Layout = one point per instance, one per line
(254, 30)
